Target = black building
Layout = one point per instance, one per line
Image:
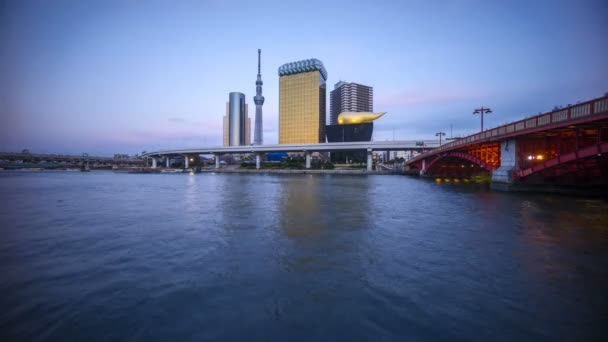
(349, 133)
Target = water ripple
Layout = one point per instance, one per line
(106, 256)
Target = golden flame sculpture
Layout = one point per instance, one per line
(348, 118)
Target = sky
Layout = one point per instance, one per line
(106, 77)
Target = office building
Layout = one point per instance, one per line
(302, 101)
(349, 97)
(237, 125)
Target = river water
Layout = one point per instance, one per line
(168, 257)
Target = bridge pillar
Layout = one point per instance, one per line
(167, 161)
(257, 161)
(154, 163)
(186, 162)
(307, 159)
(508, 163)
(423, 168)
(217, 161)
(369, 160)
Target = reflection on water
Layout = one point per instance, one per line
(312, 206)
(300, 214)
(295, 257)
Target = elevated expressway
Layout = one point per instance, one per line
(307, 149)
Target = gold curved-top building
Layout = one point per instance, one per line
(348, 118)
(302, 102)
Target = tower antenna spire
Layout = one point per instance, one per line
(259, 59)
(258, 138)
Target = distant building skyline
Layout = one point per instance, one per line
(302, 102)
(349, 97)
(237, 125)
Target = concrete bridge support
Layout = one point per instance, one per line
(307, 159)
(217, 161)
(423, 168)
(369, 161)
(154, 163)
(186, 162)
(167, 160)
(257, 161)
(503, 176)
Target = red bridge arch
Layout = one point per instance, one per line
(460, 155)
(568, 158)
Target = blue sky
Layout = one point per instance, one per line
(108, 77)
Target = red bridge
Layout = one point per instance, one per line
(567, 146)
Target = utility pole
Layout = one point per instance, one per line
(439, 134)
(481, 111)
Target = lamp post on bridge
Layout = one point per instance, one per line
(439, 134)
(481, 111)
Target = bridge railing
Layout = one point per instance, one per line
(548, 119)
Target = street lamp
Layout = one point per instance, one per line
(439, 134)
(481, 111)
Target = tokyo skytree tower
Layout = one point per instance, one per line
(258, 138)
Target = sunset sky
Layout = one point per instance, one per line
(108, 77)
